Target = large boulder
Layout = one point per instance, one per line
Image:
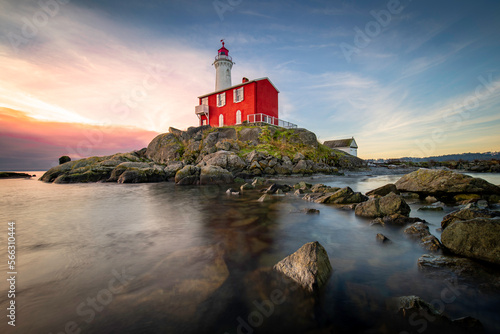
(467, 214)
(303, 167)
(92, 169)
(188, 175)
(343, 196)
(478, 238)
(250, 135)
(438, 182)
(224, 159)
(302, 136)
(215, 175)
(164, 148)
(64, 159)
(384, 206)
(309, 266)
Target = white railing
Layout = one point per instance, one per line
(261, 118)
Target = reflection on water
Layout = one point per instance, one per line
(157, 258)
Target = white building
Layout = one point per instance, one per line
(346, 145)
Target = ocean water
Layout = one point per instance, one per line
(160, 258)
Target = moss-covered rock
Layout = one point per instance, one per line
(188, 175)
(384, 206)
(438, 182)
(215, 175)
(478, 238)
(164, 148)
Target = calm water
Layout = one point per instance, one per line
(158, 258)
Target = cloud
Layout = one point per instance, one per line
(82, 67)
(30, 144)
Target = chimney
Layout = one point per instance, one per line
(244, 80)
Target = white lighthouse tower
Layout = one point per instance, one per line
(223, 65)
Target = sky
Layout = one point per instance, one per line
(96, 77)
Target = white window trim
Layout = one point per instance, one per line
(238, 92)
(221, 99)
(204, 101)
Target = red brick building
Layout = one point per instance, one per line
(251, 101)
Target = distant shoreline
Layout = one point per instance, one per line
(14, 175)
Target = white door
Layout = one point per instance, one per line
(238, 117)
(221, 120)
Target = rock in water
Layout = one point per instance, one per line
(420, 231)
(215, 175)
(309, 266)
(478, 238)
(383, 191)
(410, 308)
(384, 206)
(443, 182)
(468, 271)
(342, 196)
(382, 238)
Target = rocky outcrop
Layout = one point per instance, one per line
(14, 175)
(467, 214)
(419, 231)
(383, 191)
(244, 151)
(224, 159)
(343, 196)
(478, 238)
(250, 135)
(309, 266)
(383, 206)
(104, 169)
(439, 183)
(165, 148)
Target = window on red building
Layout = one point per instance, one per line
(238, 95)
(221, 99)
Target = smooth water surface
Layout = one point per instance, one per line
(160, 258)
